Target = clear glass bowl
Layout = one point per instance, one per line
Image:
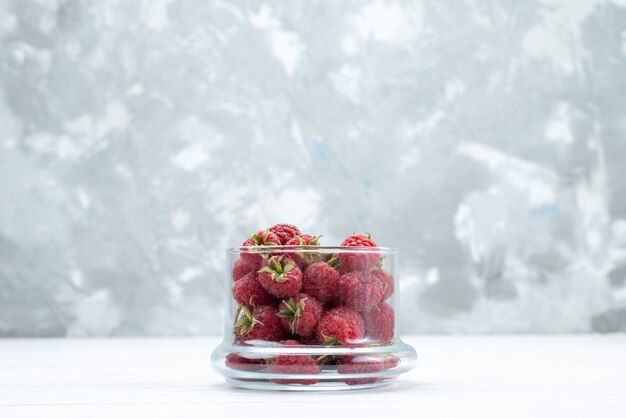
(312, 318)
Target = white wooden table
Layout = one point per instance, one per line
(525, 376)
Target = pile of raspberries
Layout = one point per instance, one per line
(299, 298)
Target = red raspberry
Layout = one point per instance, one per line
(249, 291)
(357, 240)
(285, 232)
(302, 258)
(351, 261)
(386, 282)
(293, 364)
(237, 362)
(300, 314)
(258, 324)
(359, 291)
(379, 323)
(265, 238)
(280, 276)
(391, 362)
(365, 363)
(340, 325)
(243, 267)
(320, 281)
(303, 239)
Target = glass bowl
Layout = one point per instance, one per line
(312, 318)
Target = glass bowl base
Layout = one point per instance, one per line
(335, 367)
(265, 384)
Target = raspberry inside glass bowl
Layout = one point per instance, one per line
(309, 317)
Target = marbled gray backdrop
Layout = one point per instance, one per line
(138, 140)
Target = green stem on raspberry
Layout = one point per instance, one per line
(322, 358)
(334, 261)
(237, 313)
(379, 264)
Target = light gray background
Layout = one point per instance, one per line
(138, 140)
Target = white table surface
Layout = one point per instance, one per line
(526, 376)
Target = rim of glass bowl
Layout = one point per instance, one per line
(311, 248)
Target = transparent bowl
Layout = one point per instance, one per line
(312, 318)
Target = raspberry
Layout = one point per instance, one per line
(285, 232)
(320, 281)
(303, 239)
(243, 267)
(357, 261)
(357, 240)
(379, 323)
(300, 314)
(293, 364)
(237, 362)
(359, 291)
(386, 282)
(264, 238)
(280, 276)
(366, 363)
(340, 325)
(303, 258)
(391, 362)
(249, 291)
(258, 324)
